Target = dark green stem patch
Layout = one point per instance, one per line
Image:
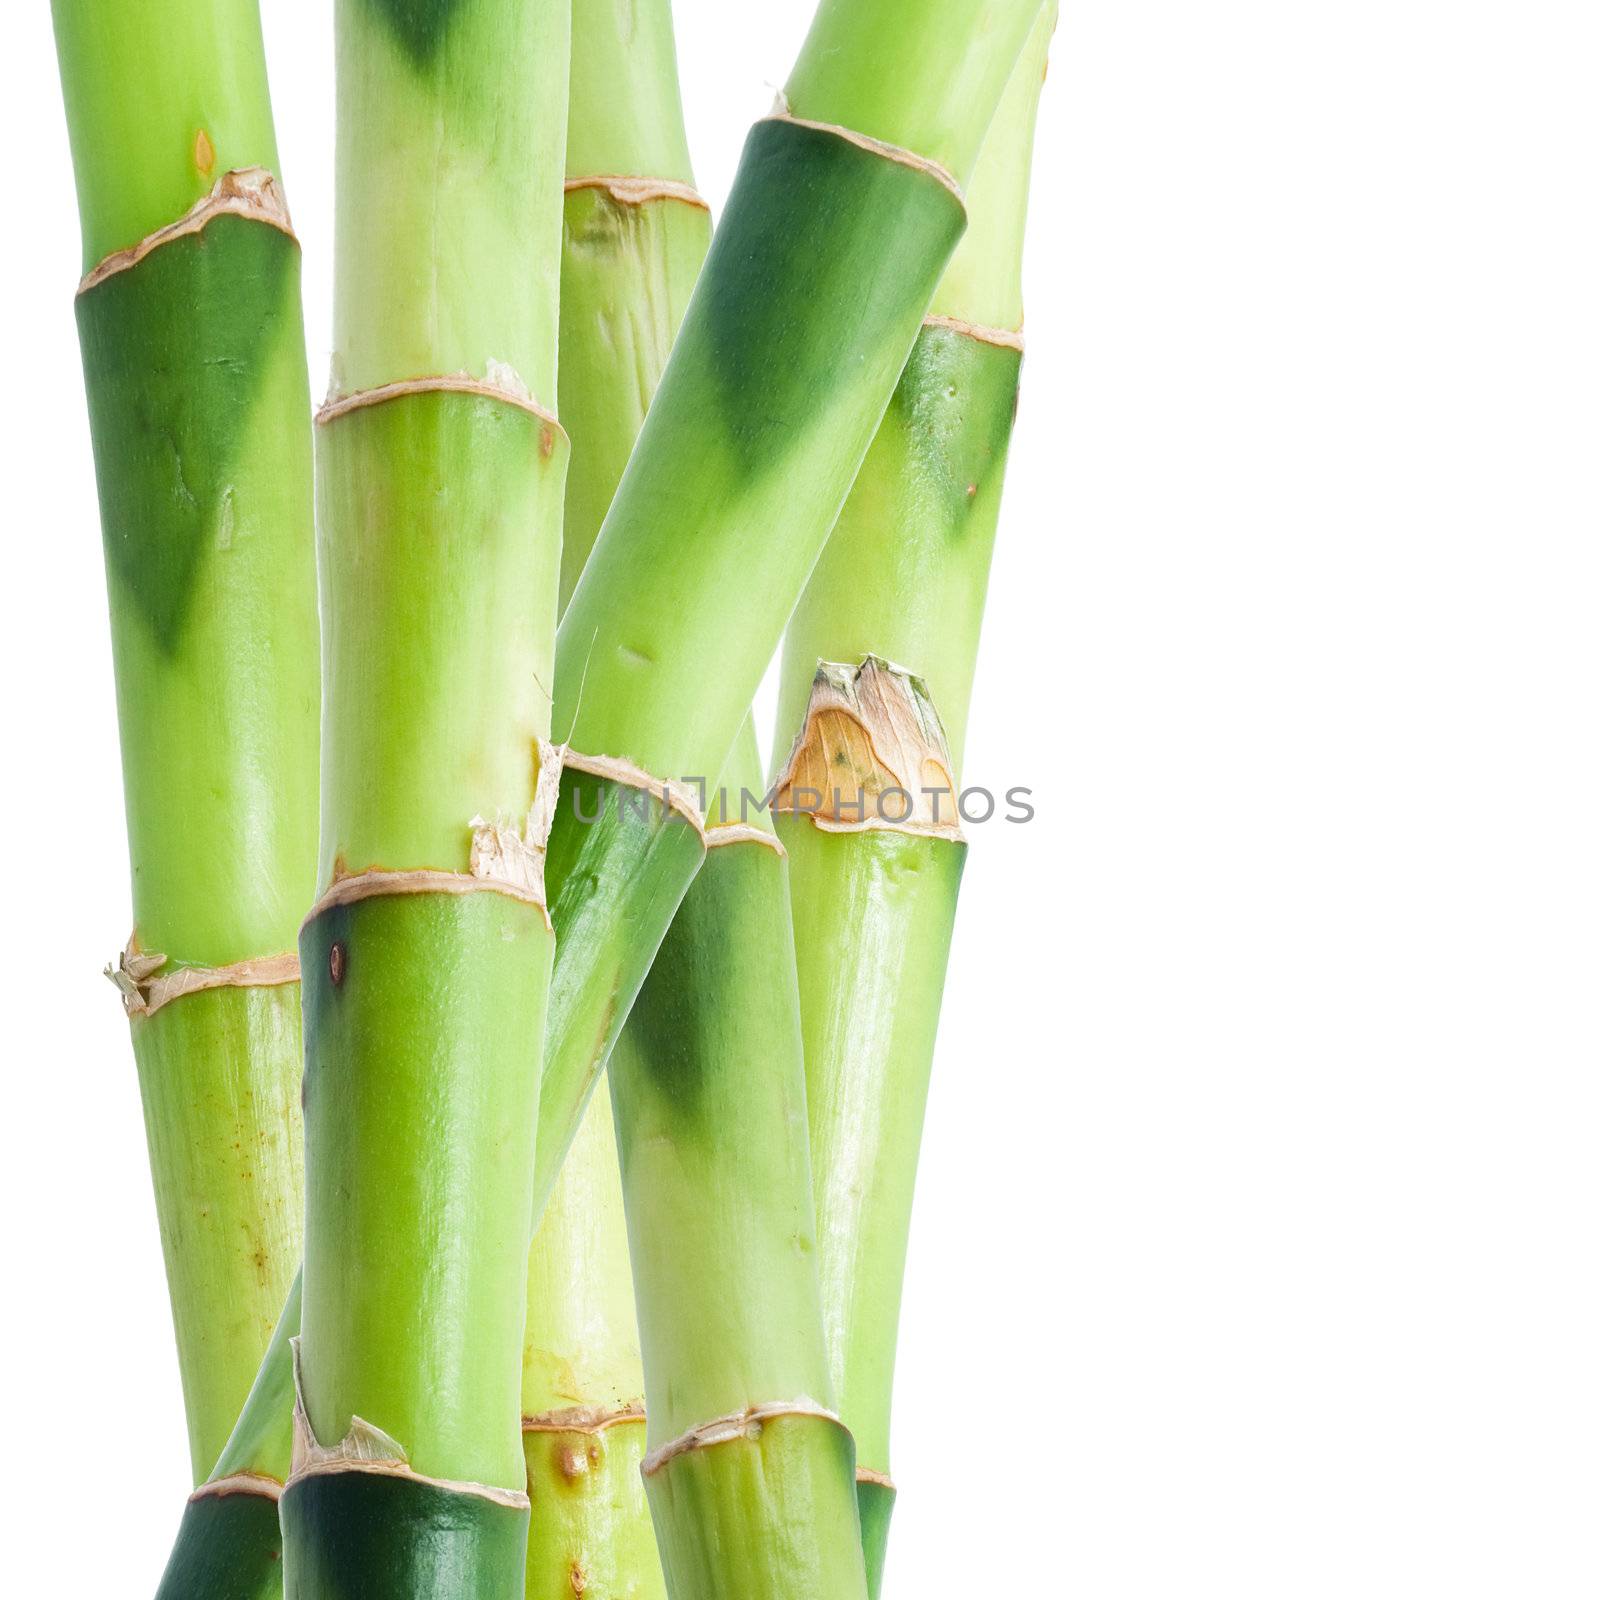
(174, 353)
(370, 1536)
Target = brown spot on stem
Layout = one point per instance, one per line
(578, 1578)
(547, 441)
(205, 153)
(336, 963)
(573, 1462)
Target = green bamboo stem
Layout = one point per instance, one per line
(630, 252)
(903, 579)
(194, 368)
(797, 331)
(427, 957)
(717, 1183)
(750, 1475)
(583, 1389)
(633, 239)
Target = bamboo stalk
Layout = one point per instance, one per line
(634, 236)
(194, 366)
(583, 1389)
(427, 957)
(903, 580)
(750, 1473)
(832, 245)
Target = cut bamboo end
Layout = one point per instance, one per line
(628, 191)
(879, 147)
(252, 1483)
(249, 192)
(746, 1424)
(367, 1449)
(501, 382)
(584, 1419)
(145, 989)
(1005, 338)
(871, 755)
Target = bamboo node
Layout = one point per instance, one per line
(871, 755)
(1005, 338)
(502, 858)
(672, 795)
(726, 833)
(617, 769)
(631, 191)
(512, 856)
(378, 883)
(584, 1419)
(256, 1483)
(500, 381)
(879, 147)
(367, 1448)
(249, 192)
(882, 1479)
(144, 988)
(746, 1424)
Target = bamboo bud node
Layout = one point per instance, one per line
(256, 1483)
(145, 988)
(1005, 338)
(630, 191)
(584, 1419)
(368, 1449)
(746, 1424)
(871, 755)
(503, 859)
(249, 192)
(879, 147)
(514, 856)
(500, 382)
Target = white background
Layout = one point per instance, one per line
(1256, 1240)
